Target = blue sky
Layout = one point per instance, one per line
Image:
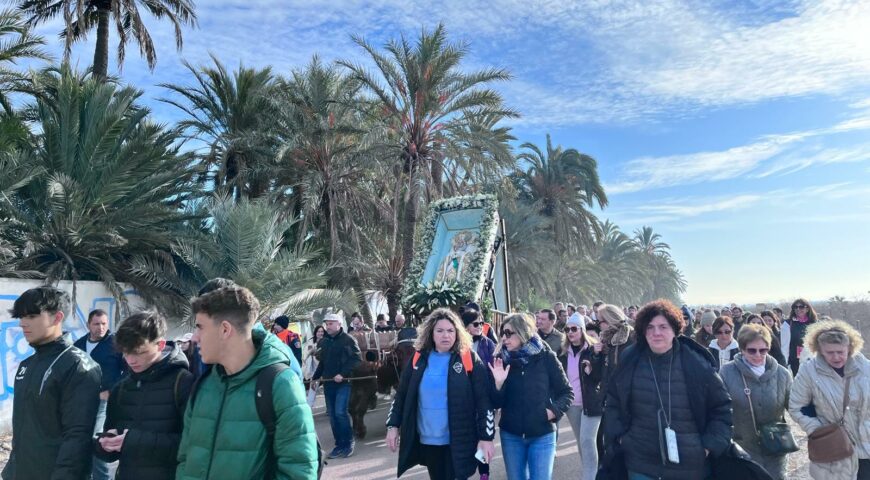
(737, 129)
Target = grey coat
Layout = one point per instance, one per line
(770, 394)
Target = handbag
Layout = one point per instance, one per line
(775, 438)
(831, 443)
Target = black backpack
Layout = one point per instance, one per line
(266, 411)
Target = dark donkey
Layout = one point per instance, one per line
(383, 360)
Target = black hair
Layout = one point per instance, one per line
(97, 312)
(551, 315)
(40, 299)
(214, 284)
(469, 315)
(139, 329)
(381, 316)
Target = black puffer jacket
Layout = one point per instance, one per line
(531, 389)
(53, 427)
(339, 355)
(471, 417)
(708, 403)
(151, 406)
(590, 384)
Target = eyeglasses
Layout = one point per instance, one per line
(799, 307)
(507, 333)
(477, 324)
(573, 329)
(723, 332)
(757, 351)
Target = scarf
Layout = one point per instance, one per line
(758, 371)
(522, 355)
(617, 334)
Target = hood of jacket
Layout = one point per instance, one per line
(731, 346)
(269, 351)
(173, 359)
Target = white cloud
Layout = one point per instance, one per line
(769, 155)
(575, 62)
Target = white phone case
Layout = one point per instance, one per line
(671, 446)
(480, 456)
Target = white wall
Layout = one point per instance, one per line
(13, 346)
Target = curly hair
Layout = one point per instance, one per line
(653, 309)
(833, 332)
(425, 339)
(235, 304)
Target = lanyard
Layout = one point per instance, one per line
(668, 417)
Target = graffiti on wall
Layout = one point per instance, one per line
(14, 348)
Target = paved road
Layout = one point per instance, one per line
(372, 460)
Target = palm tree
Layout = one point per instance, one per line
(322, 155)
(666, 279)
(245, 241)
(650, 242)
(105, 183)
(231, 113)
(17, 42)
(423, 98)
(563, 185)
(82, 16)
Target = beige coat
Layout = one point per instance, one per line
(818, 384)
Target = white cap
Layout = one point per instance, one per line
(333, 317)
(184, 338)
(576, 319)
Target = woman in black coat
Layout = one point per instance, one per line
(145, 411)
(533, 393)
(444, 372)
(664, 384)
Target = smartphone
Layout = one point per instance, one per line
(106, 435)
(480, 456)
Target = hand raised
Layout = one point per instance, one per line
(499, 371)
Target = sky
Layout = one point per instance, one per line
(739, 130)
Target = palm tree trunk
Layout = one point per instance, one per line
(410, 220)
(101, 52)
(437, 179)
(333, 228)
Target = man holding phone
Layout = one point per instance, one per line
(145, 440)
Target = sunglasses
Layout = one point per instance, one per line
(723, 332)
(477, 324)
(573, 329)
(796, 307)
(507, 333)
(757, 351)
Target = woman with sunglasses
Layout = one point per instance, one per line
(533, 393)
(794, 329)
(583, 360)
(775, 346)
(723, 347)
(482, 345)
(442, 411)
(768, 384)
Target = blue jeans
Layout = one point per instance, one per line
(100, 470)
(337, 397)
(529, 458)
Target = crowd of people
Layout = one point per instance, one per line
(650, 392)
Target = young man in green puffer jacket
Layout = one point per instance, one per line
(223, 436)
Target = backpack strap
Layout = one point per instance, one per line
(266, 411)
(178, 404)
(414, 361)
(467, 361)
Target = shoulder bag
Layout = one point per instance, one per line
(831, 442)
(775, 438)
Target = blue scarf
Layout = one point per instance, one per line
(522, 355)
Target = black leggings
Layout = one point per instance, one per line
(863, 469)
(438, 461)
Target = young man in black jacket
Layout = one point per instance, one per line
(99, 343)
(57, 391)
(145, 440)
(339, 355)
